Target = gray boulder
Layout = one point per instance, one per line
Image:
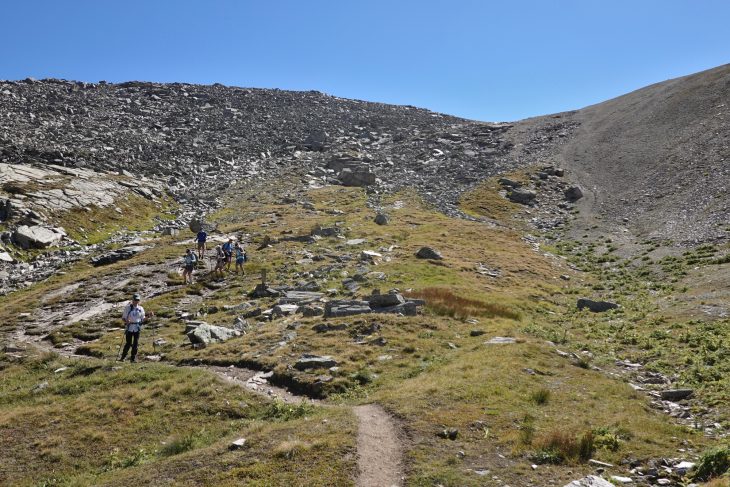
(383, 300)
(359, 176)
(308, 361)
(596, 306)
(36, 236)
(574, 193)
(429, 253)
(205, 334)
(522, 196)
(381, 219)
(284, 310)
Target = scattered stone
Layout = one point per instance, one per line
(6, 257)
(381, 219)
(370, 256)
(449, 433)
(429, 253)
(476, 333)
(351, 285)
(596, 306)
(300, 297)
(309, 311)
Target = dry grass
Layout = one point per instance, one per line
(444, 302)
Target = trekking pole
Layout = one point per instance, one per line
(119, 350)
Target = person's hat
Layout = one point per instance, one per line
(135, 297)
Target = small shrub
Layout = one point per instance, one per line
(179, 445)
(291, 449)
(713, 463)
(540, 397)
(279, 410)
(561, 447)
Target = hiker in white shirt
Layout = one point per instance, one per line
(133, 317)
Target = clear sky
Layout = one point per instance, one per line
(486, 60)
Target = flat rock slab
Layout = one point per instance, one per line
(307, 362)
(501, 341)
(297, 297)
(676, 394)
(337, 309)
(382, 300)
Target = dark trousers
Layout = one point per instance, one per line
(132, 338)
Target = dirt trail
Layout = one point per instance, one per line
(379, 448)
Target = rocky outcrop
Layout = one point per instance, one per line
(429, 253)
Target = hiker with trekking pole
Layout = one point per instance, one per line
(133, 316)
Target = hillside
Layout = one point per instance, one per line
(427, 300)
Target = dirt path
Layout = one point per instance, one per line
(379, 448)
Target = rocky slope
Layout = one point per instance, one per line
(652, 163)
(656, 161)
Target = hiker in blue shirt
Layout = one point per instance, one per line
(228, 251)
(133, 316)
(201, 239)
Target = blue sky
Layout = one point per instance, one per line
(486, 60)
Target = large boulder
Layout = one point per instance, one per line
(37, 237)
(429, 253)
(356, 176)
(383, 300)
(596, 306)
(381, 219)
(522, 196)
(204, 333)
(574, 193)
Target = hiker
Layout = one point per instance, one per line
(240, 258)
(201, 238)
(189, 262)
(133, 317)
(220, 261)
(228, 251)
